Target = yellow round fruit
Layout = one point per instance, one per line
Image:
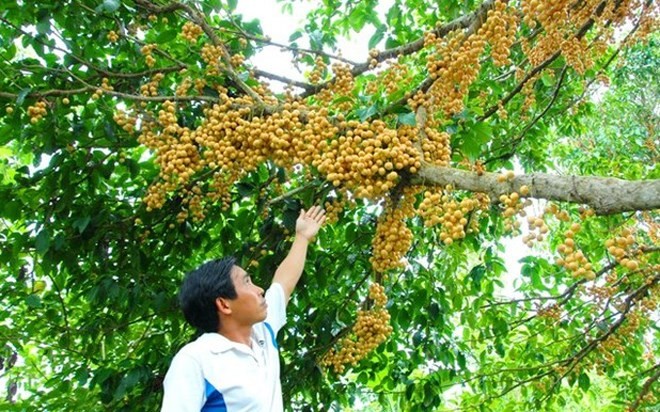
(9, 110)
(38, 286)
(65, 101)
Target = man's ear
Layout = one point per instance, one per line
(223, 306)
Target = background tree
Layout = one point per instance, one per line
(138, 140)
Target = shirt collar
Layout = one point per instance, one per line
(216, 343)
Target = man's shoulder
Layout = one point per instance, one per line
(205, 344)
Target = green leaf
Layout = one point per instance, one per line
(108, 6)
(81, 223)
(33, 301)
(12, 210)
(21, 95)
(357, 18)
(43, 26)
(166, 36)
(365, 113)
(42, 242)
(584, 382)
(8, 52)
(407, 119)
(377, 37)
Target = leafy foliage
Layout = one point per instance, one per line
(91, 263)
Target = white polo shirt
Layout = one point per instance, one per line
(213, 373)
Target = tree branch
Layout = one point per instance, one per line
(416, 45)
(285, 80)
(583, 30)
(645, 389)
(199, 19)
(582, 353)
(516, 141)
(605, 195)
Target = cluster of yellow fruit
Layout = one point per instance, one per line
(367, 159)
(183, 87)
(454, 63)
(513, 202)
(151, 88)
(105, 87)
(528, 92)
(371, 328)
(608, 346)
(435, 144)
(559, 20)
(537, 230)
(562, 215)
(619, 247)
(393, 237)
(601, 294)
(577, 54)
(167, 119)
(441, 208)
(237, 60)
(500, 31)
(112, 36)
(191, 31)
(394, 77)
(572, 258)
(334, 207)
(193, 198)
(212, 56)
(373, 58)
(36, 111)
(125, 121)
(551, 312)
(341, 86)
(317, 73)
(649, 303)
(147, 50)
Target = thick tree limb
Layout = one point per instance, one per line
(199, 19)
(645, 389)
(416, 45)
(605, 195)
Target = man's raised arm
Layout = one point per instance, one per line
(307, 226)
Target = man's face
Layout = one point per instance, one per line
(250, 306)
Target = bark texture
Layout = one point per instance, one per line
(606, 195)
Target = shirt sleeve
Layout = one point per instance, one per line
(276, 317)
(183, 385)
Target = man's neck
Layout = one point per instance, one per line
(237, 334)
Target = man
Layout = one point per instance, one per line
(234, 365)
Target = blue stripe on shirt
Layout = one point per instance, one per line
(215, 402)
(272, 335)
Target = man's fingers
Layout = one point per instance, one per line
(315, 212)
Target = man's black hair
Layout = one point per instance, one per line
(201, 287)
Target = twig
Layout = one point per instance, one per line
(645, 389)
(583, 30)
(416, 45)
(518, 139)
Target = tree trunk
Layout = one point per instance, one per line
(605, 195)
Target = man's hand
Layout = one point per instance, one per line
(307, 226)
(309, 222)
